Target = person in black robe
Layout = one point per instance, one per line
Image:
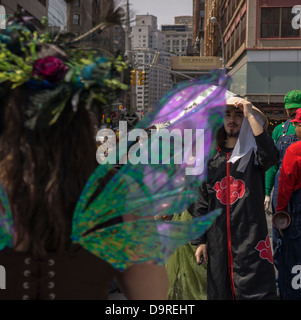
(237, 247)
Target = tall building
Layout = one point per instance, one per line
(146, 41)
(35, 8)
(117, 36)
(262, 50)
(112, 39)
(145, 33)
(57, 15)
(198, 27)
(178, 35)
(79, 16)
(212, 38)
(83, 15)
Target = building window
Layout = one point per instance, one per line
(76, 18)
(287, 30)
(234, 6)
(228, 14)
(270, 22)
(277, 23)
(243, 29)
(76, 3)
(227, 49)
(236, 36)
(232, 45)
(43, 2)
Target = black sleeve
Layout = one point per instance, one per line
(200, 209)
(202, 204)
(267, 153)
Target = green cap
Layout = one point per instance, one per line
(292, 99)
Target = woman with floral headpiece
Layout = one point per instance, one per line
(47, 153)
(68, 226)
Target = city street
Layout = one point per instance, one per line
(187, 112)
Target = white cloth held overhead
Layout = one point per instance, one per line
(245, 144)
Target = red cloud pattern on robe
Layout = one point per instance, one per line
(237, 190)
(264, 247)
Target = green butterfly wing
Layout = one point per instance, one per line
(141, 191)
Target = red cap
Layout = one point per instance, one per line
(298, 116)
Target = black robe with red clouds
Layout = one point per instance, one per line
(240, 264)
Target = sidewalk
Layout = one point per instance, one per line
(120, 296)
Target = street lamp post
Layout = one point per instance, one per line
(214, 20)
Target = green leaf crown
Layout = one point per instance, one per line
(84, 76)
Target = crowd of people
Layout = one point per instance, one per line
(46, 161)
(247, 167)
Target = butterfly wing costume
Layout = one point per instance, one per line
(161, 181)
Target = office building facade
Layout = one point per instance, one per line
(178, 35)
(262, 50)
(34, 8)
(146, 41)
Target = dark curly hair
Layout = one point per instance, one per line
(44, 170)
(221, 136)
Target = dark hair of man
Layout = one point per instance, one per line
(221, 136)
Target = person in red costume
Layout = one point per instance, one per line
(289, 200)
(290, 173)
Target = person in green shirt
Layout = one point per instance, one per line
(283, 136)
(271, 173)
(292, 102)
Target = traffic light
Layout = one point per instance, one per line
(141, 80)
(133, 77)
(120, 107)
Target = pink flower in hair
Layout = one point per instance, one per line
(50, 69)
